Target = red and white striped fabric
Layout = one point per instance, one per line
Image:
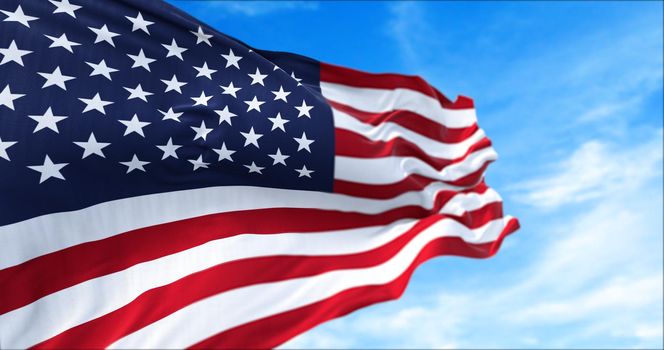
(263, 265)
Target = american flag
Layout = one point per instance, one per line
(164, 185)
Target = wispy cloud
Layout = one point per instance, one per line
(596, 169)
(615, 295)
(259, 8)
(409, 29)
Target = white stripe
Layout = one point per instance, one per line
(88, 300)
(389, 170)
(465, 202)
(104, 294)
(28, 239)
(216, 314)
(389, 131)
(385, 100)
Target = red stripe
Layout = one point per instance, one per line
(352, 144)
(346, 76)
(162, 301)
(51, 272)
(409, 120)
(275, 330)
(413, 182)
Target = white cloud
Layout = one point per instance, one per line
(594, 170)
(321, 339)
(259, 8)
(649, 331)
(616, 295)
(607, 110)
(410, 30)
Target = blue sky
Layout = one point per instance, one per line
(571, 95)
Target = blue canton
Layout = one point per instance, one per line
(101, 100)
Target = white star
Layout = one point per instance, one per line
(198, 163)
(204, 71)
(134, 125)
(95, 103)
(254, 104)
(134, 164)
(103, 34)
(18, 16)
(47, 120)
(231, 59)
(296, 78)
(253, 168)
(55, 78)
(201, 131)
(224, 153)
(225, 115)
(7, 98)
(63, 6)
(304, 110)
(91, 146)
(138, 92)
(278, 157)
(304, 171)
(141, 61)
(173, 84)
(49, 169)
(278, 122)
(257, 78)
(281, 94)
(170, 114)
(13, 54)
(303, 142)
(4, 145)
(62, 42)
(202, 99)
(251, 138)
(169, 149)
(101, 69)
(139, 23)
(230, 89)
(201, 37)
(174, 50)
